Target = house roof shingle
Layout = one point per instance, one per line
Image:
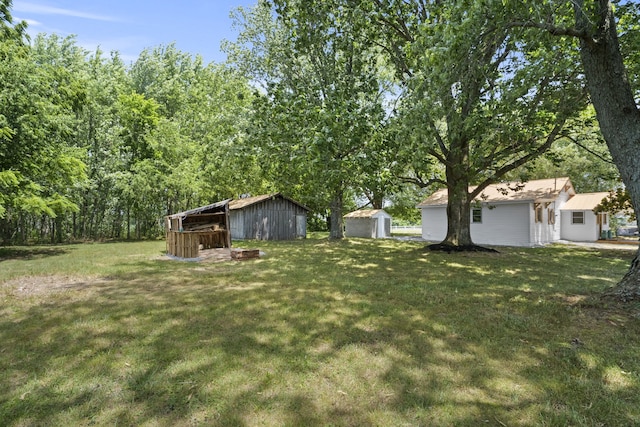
(584, 201)
(365, 213)
(535, 190)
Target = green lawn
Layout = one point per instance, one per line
(316, 333)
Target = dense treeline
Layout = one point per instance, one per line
(91, 148)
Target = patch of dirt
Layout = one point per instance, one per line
(38, 285)
(206, 255)
(599, 308)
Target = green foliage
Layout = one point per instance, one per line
(138, 117)
(90, 148)
(319, 122)
(346, 98)
(627, 13)
(582, 156)
(39, 96)
(618, 201)
(479, 98)
(10, 32)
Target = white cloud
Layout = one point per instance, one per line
(49, 10)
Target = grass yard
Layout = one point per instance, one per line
(351, 333)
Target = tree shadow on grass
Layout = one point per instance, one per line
(27, 253)
(351, 333)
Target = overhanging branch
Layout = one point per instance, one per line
(420, 181)
(551, 29)
(590, 151)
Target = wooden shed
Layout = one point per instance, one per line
(267, 217)
(370, 223)
(207, 226)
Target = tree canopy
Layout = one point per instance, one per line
(91, 148)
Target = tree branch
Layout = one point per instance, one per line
(551, 29)
(421, 182)
(590, 151)
(553, 136)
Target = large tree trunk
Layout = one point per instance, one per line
(458, 236)
(458, 216)
(336, 229)
(617, 114)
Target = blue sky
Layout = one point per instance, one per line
(129, 26)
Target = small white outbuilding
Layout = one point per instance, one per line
(369, 223)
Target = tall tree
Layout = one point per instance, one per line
(199, 137)
(39, 162)
(323, 103)
(99, 134)
(595, 25)
(616, 108)
(481, 99)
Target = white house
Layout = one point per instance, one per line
(371, 223)
(579, 223)
(508, 214)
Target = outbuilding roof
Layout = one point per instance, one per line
(212, 208)
(584, 202)
(248, 201)
(367, 213)
(538, 190)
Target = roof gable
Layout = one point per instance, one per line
(538, 190)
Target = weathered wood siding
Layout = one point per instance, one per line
(183, 245)
(273, 219)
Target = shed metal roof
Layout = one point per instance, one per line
(212, 208)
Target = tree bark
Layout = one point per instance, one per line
(336, 230)
(458, 204)
(458, 214)
(617, 113)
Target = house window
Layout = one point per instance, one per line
(538, 213)
(577, 217)
(551, 216)
(476, 215)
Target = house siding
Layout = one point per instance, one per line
(542, 232)
(504, 224)
(434, 223)
(534, 216)
(563, 197)
(587, 232)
